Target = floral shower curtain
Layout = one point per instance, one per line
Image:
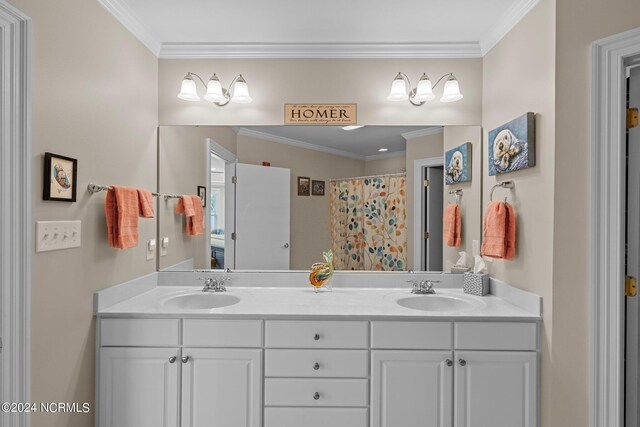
(368, 223)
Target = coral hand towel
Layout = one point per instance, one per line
(191, 207)
(510, 251)
(499, 233)
(122, 209)
(145, 200)
(452, 225)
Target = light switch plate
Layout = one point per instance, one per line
(164, 245)
(55, 235)
(151, 249)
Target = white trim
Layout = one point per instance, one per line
(221, 152)
(15, 206)
(318, 50)
(607, 228)
(127, 17)
(418, 223)
(385, 155)
(510, 19)
(433, 130)
(296, 143)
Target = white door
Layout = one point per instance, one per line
(495, 389)
(263, 198)
(230, 215)
(138, 387)
(411, 388)
(433, 211)
(633, 260)
(221, 387)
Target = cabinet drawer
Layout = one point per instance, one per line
(302, 392)
(222, 333)
(315, 417)
(495, 336)
(139, 332)
(305, 334)
(412, 335)
(317, 363)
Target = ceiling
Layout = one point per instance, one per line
(287, 28)
(362, 144)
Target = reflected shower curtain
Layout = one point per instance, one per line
(368, 223)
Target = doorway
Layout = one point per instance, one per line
(432, 217)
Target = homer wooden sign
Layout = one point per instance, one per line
(320, 114)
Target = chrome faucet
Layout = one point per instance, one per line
(215, 284)
(424, 287)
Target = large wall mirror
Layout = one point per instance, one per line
(276, 197)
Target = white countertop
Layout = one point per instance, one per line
(301, 303)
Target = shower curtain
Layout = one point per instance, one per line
(368, 223)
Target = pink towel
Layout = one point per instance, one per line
(452, 225)
(191, 207)
(145, 201)
(121, 209)
(499, 231)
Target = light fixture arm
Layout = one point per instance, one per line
(190, 74)
(440, 79)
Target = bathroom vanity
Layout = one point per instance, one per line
(287, 357)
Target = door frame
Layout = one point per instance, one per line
(418, 211)
(607, 226)
(15, 200)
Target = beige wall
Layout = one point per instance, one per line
(470, 202)
(367, 82)
(387, 165)
(95, 99)
(182, 160)
(519, 76)
(309, 214)
(578, 24)
(423, 147)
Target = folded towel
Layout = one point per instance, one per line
(452, 225)
(499, 231)
(145, 200)
(191, 207)
(121, 209)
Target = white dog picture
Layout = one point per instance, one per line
(512, 145)
(458, 164)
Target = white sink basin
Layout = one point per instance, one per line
(200, 301)
(437, 303)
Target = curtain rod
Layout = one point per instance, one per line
(368, 176)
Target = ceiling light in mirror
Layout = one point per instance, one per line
(354, 127)
(383, 150)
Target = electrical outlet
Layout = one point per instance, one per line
(55, 235)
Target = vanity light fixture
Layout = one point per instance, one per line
(401, 89)
(238, 90)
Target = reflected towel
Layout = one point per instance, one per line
(452, 225)
(145, 200)
(121, 210)
(191, 207)
(499, 231)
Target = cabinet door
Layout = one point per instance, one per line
(411, 388)
(138, 387)
(221, 387)
(496, 388)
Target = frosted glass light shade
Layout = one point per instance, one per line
(424, 91)
(188, 90)
(214, 90)
(451, 91)
(398, 90)
(241, 92)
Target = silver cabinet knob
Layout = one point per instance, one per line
(185, 359)
(172, 359)
(316, 366)
(462, 362)
(316, 396)
(449, 362)
(316, 337)
(286, 246)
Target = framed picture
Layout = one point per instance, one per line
(317, 188)
(202, 193)
(512, 145)
(60, 176)
(304, 186)
(457, 163)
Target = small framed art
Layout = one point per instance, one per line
(60, 176)
(317, 188)
(202, 193)
(304, 186)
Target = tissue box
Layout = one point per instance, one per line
(475, 284)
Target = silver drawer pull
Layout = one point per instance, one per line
(172, 359)
(316, 396)
(462, 362)
(449, 362)
(185, 359)
(316, 337)
(316, 366)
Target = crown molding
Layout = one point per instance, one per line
(318, 50)
(383, 156)
(510, 19)
(433, 130)
(123, 13)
